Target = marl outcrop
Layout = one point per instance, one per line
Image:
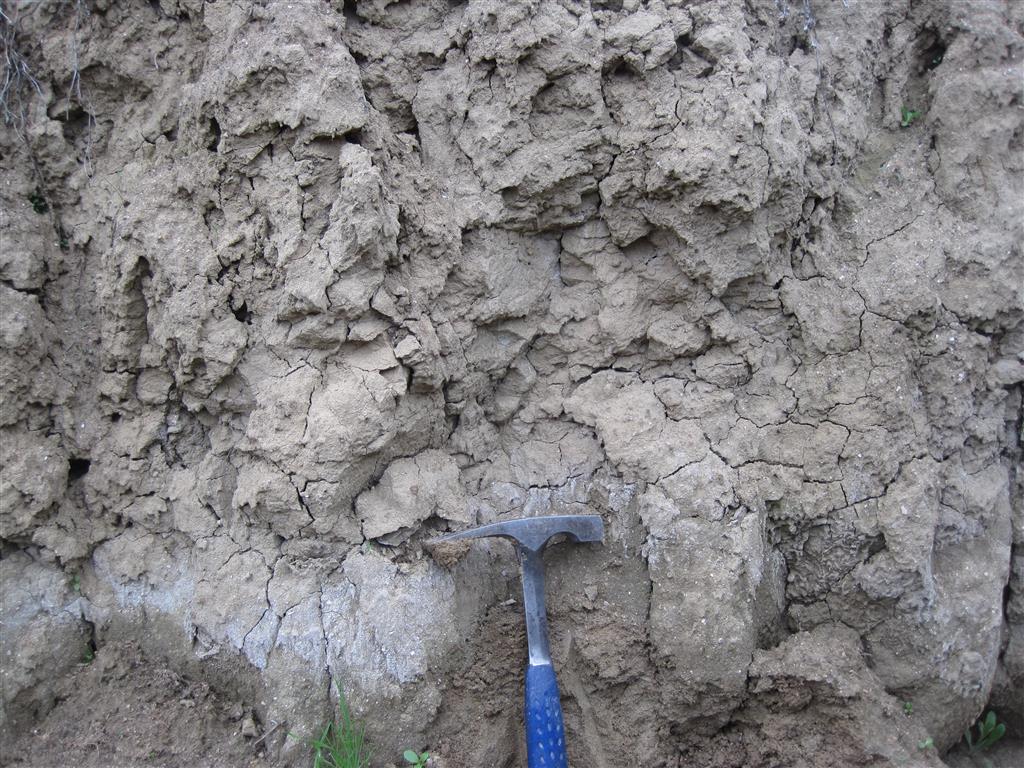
(289, 287)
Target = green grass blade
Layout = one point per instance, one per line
(341, 744)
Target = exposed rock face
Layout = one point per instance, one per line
(289, 287)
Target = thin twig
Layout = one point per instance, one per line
(274, 726)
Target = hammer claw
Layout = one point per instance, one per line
(534, 532)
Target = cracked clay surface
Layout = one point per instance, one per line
(287, 288)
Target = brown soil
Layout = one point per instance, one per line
(122, 709)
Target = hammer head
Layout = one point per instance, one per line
(534, 532)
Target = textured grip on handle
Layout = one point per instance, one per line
(545, 734)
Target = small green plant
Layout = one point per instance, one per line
(908, 708)
(341, 744)
(908, 116)
(88, 655)
(39, 204)
(417, 760)
(926, 743)
(990, 731)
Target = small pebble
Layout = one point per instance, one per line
(249, 729)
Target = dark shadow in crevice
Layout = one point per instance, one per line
(242, 314)
(77, 468)
(213, 135)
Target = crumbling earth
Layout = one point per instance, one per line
(289, 287)
(119, 709)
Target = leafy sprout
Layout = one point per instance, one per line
(908, 116)
(38, 202)
(990, 730)
(417, 760)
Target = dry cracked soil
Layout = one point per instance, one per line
(289, 287)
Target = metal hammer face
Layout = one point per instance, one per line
(534, 532)
(531, 534)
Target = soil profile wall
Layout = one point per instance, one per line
(289, 287)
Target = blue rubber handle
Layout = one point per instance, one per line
(545, 734)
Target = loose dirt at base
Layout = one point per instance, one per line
(121, 709)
